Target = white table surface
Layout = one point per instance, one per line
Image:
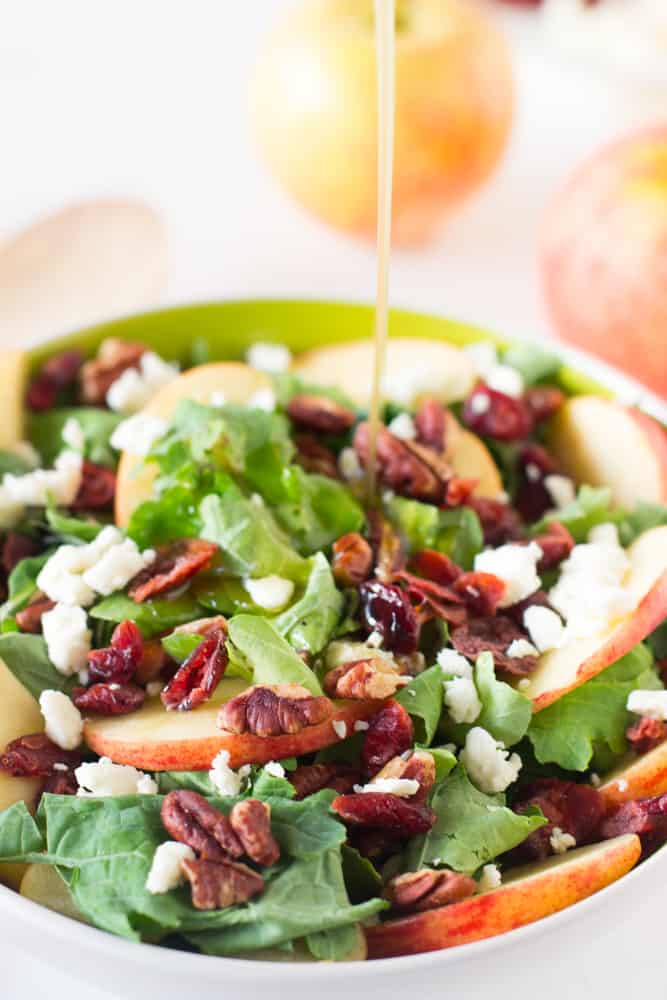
(148, 98)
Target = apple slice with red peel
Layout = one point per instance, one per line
(527, 894)
(640, 778)
(471, 459)
(562, 669)
(156, 740)
(600, 442)
(236, 381)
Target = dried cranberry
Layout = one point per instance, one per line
(493, 414)
(310, 778)
(543, 401)
(459, 491)
(97, 489)
(482, 592)
(430, 424)
(574, 809)
(386, 609)
(29, 619)
(17, 547)
(109, 699)
(198, 676)
(645, 817)
(436, 566)
(646, 734)
(500, 522)
(556, 544)
(434, 599)
(389, 734)
(495, 635)
(533, 498)
(117, 663)
(384, 812)
(35, 756)
(174, 565)
(55, 374)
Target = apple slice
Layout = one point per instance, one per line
(600, 442)
(471, 459)
(157, 740)
(641, 778)
(238, 382)
(42, 884)
(436, 367)
(563, 669)
(14, 374)
(527, 894)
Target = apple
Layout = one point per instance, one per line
(314, 103)
(604, 255)
(642, 778)
(600, 442)
(561, 670)
(238, 383)
(527, 894)
(42, 884)
(20, 714)
(157, 740)
(14, 373)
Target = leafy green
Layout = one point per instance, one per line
(193, 781)
(422, 699)
(445, 761)
(19, 833)
(361, 877)
(316, 510)
(506, 713)
(657, 641)
(592, 506)
(534, 363)
(13, 463)
(179, 645)
(26, 658)
(272, 658)
(22, 584)
(72, 529)
(152, 617)
(336, 944)
(45, 432)
(174, 515)
(310, 622)
(569, 731)
(457, 533)
(644, 517)
(471, 828)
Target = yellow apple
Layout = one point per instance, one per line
(14, 372)
(314, 108)
(42, 884)
(640, 778)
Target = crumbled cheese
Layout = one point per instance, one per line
(403, 427)
(273, 358)
(521, 647)
(117, 567)
(596, 780)
(489, 879)
(560, 841)
(544, 627)
(479, 403)
(489, 766)
(275, 769)
(154, 688)
(403, 787)
(361, 726)
(650, 704)
(28, 453)
(61, 577)
(340, 728)
(67, 638)
(524, 684)
(454, 663)
(166, 872)
(461, 700)
(147, 785)
(138, 433)
(484, 356)
(72, 434)
(270, 592)
(103, 777)
(516, 566)
(604, 534)
(375, 640)
(349, 465)
(33, 489)
(263, 399)
(62, 719)
(135, 387)
(561, 490)
(217, 398)
(505, 379)
(223, 778)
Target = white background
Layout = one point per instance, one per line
(149, 99)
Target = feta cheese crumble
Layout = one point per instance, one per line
(560, 489)
(403, 427)
(33, 489)
(72, 434)
(340, 728)
(349, 465)
(223, 778)
(147, 785)
(270, 592)
(516, 566)
(361, 726)
(275, 769)
(136, 386)
(266, 357)
(62, 719)
(461, 700)
(117, 567)
(138, 433)
(166, 872)
(263, 399)
(544, 627)
(560, 841)
(650, 704)
(403, 787)
(67, 638)
(505, 379)
(489, 879)
(454, 663)
(103, 778)
(490, 767)
(521, 647)
(484, 356)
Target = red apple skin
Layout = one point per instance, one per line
(530, 896)
(604, 257)
(657, 436)
(642, 778)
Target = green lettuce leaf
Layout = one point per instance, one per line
(71, 530)
(534, 363)
(45, 432)
(286, 385)
(310, 622)
(20, 836)
(179, 645)
(422, 699)
(152, 617)
(457, 533)
(10, 462)
(316, 510)
(272, 658)
(644, 517)
(22, 584)
(506, 713)
(174, 515)
(26, 658)
(592, 506)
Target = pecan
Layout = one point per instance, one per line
(117, 662)
(109, 699)
(190, 819)
(113, 358)
(427, 889)
(389, 734)
(203, 626)
(494, 634)
(574, 809)
(430, 424)
(398, 467)
(556, 544)
(352, 559)
(645, 817)
(436, 566)
(199, 675)
(419, 766)
(174, 564)
(271, 710)
(543, 401)
(29, 619)
(17, 547)
(387, 610)
(320, 414)
(500, 522)
(310, 778)
(251, 822)
(533, 499)
(493, 414)
(315, 457)
(482, 592)
(384, 811)
(55, 374)
(646, 734)
(97, 489)
(35, 756)
(217, 885)
(435, 461)
(373, 679)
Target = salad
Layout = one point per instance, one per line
(246, 710)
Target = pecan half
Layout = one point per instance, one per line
(113, 358)
(320, 414)
(217, 885)
(398, 467)
(61, 782)
(271, 710)
(313, 456)
(495, 635)
(419, 766)
(190, 819)
(430, 424)
(199, 675)
(646, 734)
(109, 699)
(352, 559)
(373, 679)
(203, 626)
(310, 778)
(117, 662)
(97, 489)
(384, 811)
(428, 889)
(16, 547)
(36, 756)
(29, 619)
(173, 566)
(389, 734)
(251, 822)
